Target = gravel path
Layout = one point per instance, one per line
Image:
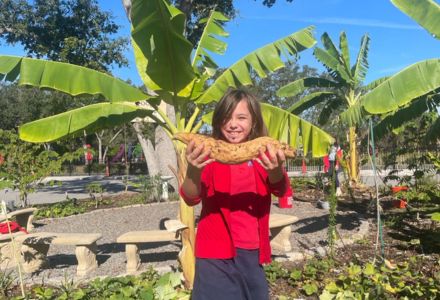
(309, 232)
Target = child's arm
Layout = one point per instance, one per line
(274, 161)
(196, 157)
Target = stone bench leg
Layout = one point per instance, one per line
(25, 221)
(7, 259)
(133, 259)
(280, 238)
(86, 256)
(33, 257)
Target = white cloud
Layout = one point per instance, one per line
(340, 21)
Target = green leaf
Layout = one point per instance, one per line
(398, 118)
(310, 289)
(329, 108)
(369, 269)
(71, 79)
(209, 39)
(403, 87)
(434, 131)
(309, 101)
(361, 67)
(353, 115)
(374, 84)
(330, 62)
(90, 118)
(162, 52)
(332, 287)
(345, 53)
(424, 12)
(291, 129)
(298, 86)
(435, 216)
(262, 61)
(329, 46)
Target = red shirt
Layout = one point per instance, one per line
(244, 222)
(214, 238)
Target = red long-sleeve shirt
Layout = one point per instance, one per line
(214, 238)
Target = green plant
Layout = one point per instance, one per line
(61, 209)
(404, 281)
(150, 187)
(275, 271)
(7, 280)
(25, 165)
(93, 189)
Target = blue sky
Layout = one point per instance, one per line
(396, 40)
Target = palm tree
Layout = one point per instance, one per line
(173, 73)
(410, 92)
(341, 91)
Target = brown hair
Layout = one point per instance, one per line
(227, 104)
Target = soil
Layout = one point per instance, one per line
(406, 233)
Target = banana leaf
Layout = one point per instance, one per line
(298, 86)
(424, 12)
(395, 120)
(397, 91)
(295, 131)
(71, 79)
(90, 118)
(264, 60)
(162, 52)
(310, 100)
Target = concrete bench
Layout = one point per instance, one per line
(23, 217)
(132, 240)
(279, 225)
(7, 259)
(34, 248)
(280, 231)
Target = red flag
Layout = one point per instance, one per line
(304, 167)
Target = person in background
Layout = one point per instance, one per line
(232, 240)
(334, 156)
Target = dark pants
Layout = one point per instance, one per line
(330, 173)
(239, 278)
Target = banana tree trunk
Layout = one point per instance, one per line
(147, 149)
(354, 174)
(164, 150)
(186, 255)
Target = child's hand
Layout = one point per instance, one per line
(273, 162)
(197, 157)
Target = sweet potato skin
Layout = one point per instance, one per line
(234, 153)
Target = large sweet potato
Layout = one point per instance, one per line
(234, 153)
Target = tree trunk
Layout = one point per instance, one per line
(165, 151)
(99, 138)
(148, 150)
(354, 174)
(186, 255)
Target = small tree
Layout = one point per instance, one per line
(26, 164)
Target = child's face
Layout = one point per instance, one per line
(238, 127)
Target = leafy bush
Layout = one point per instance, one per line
(61, 209)
(404, 281)
(148, 285)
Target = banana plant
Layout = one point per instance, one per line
(173, 71)
(410, 92)
(341, 91)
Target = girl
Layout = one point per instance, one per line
(233, 232)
